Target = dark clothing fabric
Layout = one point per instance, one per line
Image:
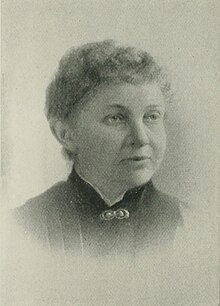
(68, 217)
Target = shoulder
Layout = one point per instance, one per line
(167, 207)
(43, 202)
(170, 202)
(41, 215)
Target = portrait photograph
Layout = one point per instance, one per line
(110, 153)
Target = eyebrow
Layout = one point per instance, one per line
(116, 106)
(124, 108)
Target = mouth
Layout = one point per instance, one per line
(137, 158)
(138, 162)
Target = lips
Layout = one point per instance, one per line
(138, 162)
(137, 158)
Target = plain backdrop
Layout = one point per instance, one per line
(183, 35)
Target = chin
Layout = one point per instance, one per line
(139, 178)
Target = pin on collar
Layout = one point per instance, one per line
(109, 214)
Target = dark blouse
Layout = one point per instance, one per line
(73, 217)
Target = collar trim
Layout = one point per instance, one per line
(107, 201)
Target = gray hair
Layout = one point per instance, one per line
(82, 70)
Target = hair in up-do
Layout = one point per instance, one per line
(82, 70)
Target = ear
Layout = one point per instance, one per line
(62, 133)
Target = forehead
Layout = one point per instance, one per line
(127, 96)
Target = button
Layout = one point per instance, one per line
(107, 215)
(122, 213)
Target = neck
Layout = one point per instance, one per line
(110, 191)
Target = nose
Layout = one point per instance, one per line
(139, 134)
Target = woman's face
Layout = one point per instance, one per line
(119, 135)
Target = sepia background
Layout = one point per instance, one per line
(183, 35)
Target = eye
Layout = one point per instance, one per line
(115, 119)
(153, 116)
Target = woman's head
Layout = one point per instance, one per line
(106, 105)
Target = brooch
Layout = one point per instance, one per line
(109, 214)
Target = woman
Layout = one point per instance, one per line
(106, 106)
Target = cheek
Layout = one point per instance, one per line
(100, 143)
(159, 142)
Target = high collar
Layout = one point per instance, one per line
(92, 200)
(105, 199)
